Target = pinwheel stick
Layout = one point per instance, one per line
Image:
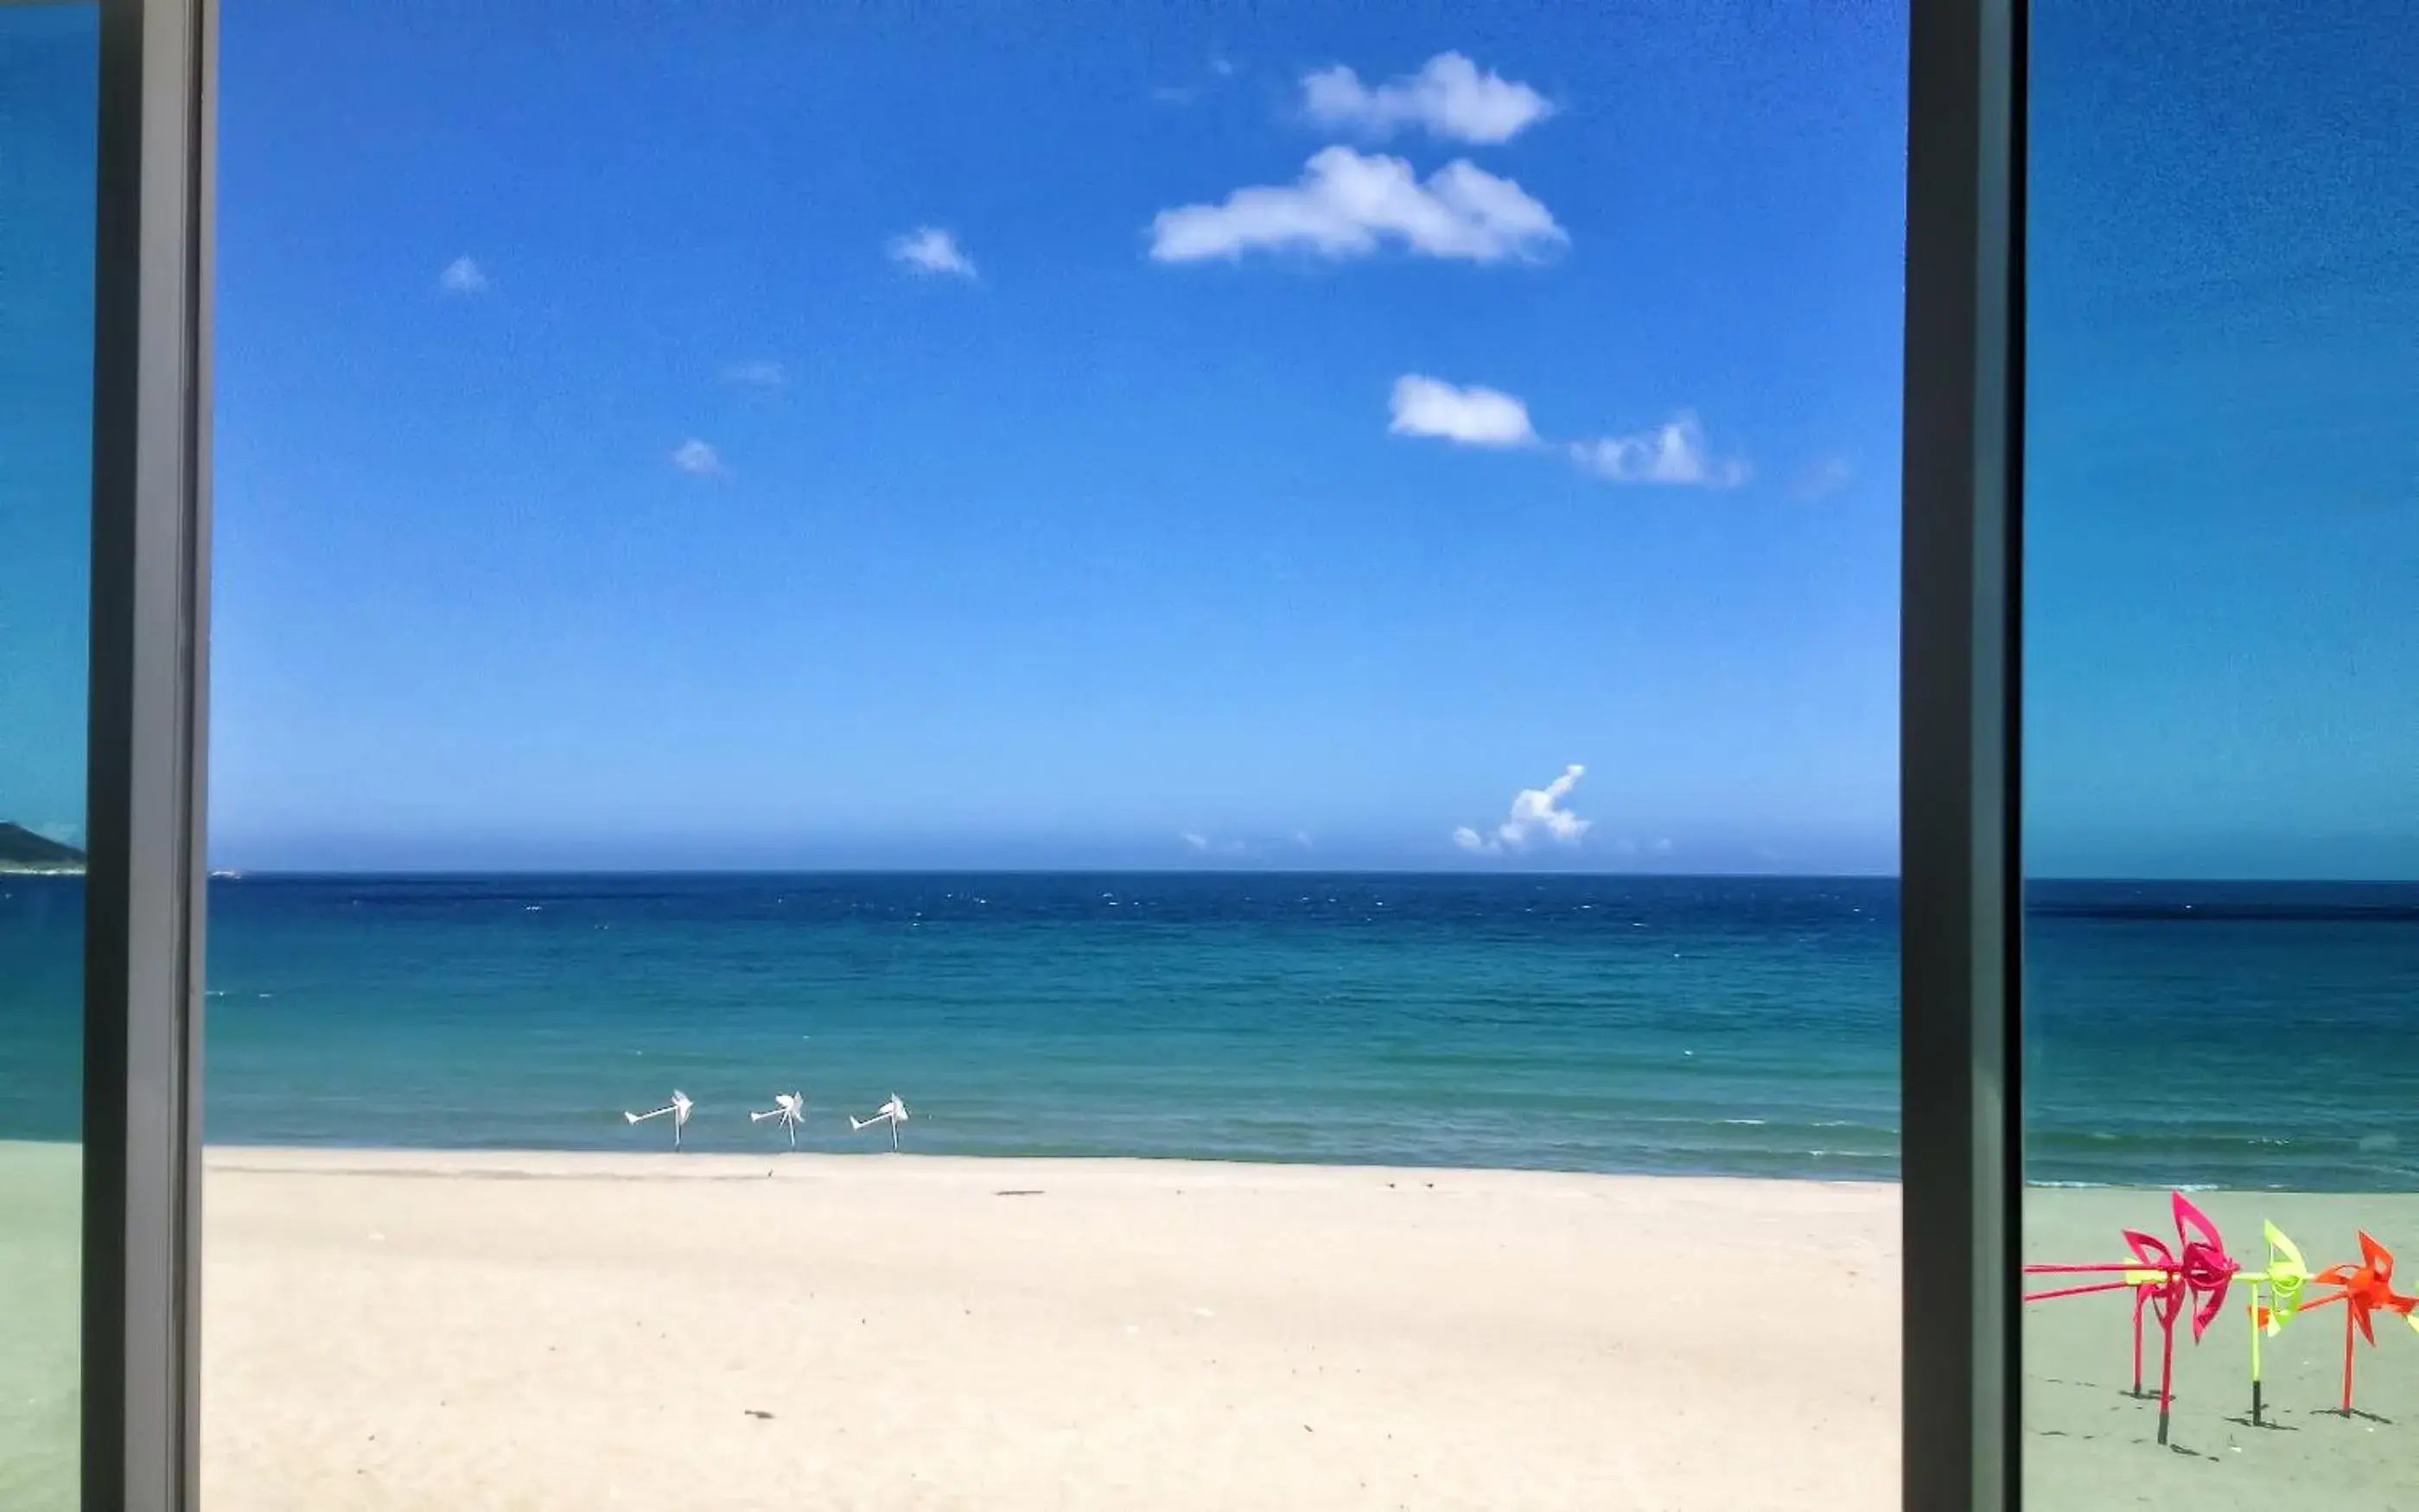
(2134, 1272)
(2351, 1320)
(2253, 1308)
(2350, 1317)
(2167, 1375)
(2078, 1290)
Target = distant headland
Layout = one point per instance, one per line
(22, 851)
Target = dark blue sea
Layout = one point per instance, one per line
(2216, 1035)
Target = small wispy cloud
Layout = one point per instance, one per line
(1536, 813)
(1348, 204)
(1674, 452)
(464, 276)
(1821, 477)
(1202, 845)
(1449, 97)
(931, 250)
(763, 373)
(1466, 417)
(1219, 71)
(697, 459)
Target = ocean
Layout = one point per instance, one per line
(2227, 1035)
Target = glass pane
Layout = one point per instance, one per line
(49, 82)
(1280, 619)
(2222, 762)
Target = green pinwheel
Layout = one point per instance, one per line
(2281, 1284)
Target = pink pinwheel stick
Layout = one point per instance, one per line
(2079, 1290)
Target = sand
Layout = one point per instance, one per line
(414, 1331)
(42, 1219)
(391, 1329)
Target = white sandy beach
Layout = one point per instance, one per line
(395, 1330)
(41, 1228)
(390, 1330)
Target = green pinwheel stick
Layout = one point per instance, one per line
(2280, 1283)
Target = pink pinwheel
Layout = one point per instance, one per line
(2197, 1271)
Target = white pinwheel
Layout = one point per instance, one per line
(893, 1112)
(791, 1108)
(678, 1108)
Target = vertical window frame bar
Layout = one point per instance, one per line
(147, 736)
(1961, 954)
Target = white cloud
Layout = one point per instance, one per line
(1449, 97)
(1201, 845)
(1467, 417)
(1672, 452)
(463, 276)
(1348, 205)
(931, 250)
(763, 373)
(698, 459)
(1537, 811)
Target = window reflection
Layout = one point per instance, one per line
(49, 57)
(2222, 763)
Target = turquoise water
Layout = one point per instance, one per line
(2226, 1036)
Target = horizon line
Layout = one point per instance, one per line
(239, 873)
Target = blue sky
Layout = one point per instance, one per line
(940, 436)
(1113, 536)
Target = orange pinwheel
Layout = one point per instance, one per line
(2364, 1290)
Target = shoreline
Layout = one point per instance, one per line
(720, 1165)
(547, 1163)
(524, 1162)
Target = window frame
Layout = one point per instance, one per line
(146, 754)
(1960, 885)
(1961, 952)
